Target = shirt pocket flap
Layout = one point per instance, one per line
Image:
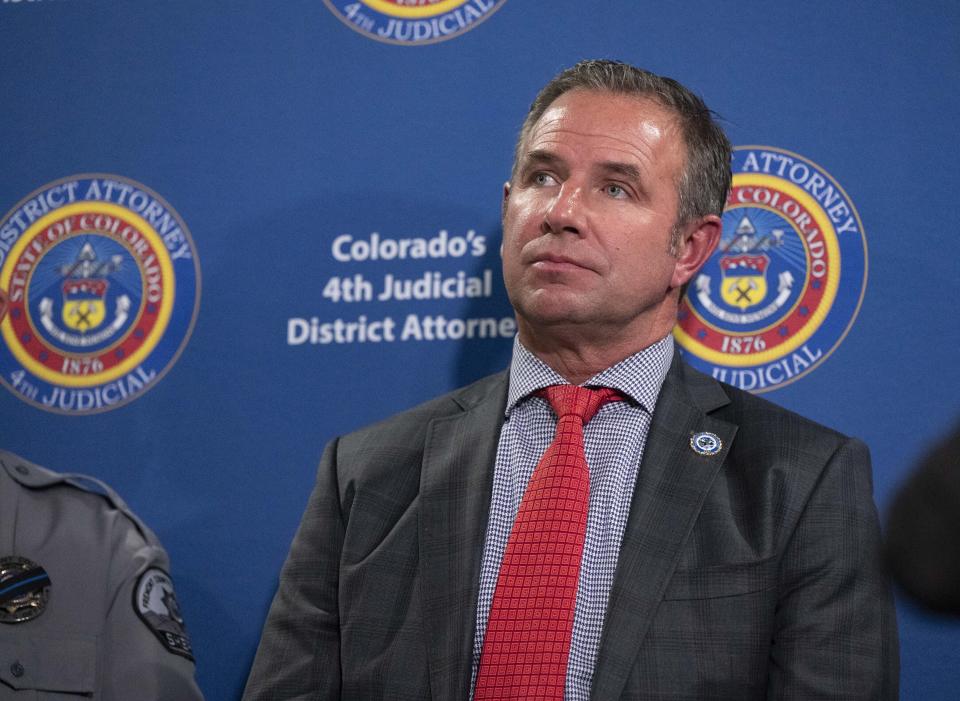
(61, 663)
(717, 581)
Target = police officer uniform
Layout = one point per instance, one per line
(87, 608)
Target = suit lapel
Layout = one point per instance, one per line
(671, 486)
(455, 488)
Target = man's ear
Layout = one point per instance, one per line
(700, 238)
(503, 211)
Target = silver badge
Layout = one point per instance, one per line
(24, 589)
(706, 443)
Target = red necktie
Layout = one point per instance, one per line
(527, 642)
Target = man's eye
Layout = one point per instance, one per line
(615, 190)
(543, 179)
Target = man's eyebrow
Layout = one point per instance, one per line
(540, 157)
(631, 172)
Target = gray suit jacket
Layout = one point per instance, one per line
(750, 574)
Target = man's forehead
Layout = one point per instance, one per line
(618, 122)
(591, 105)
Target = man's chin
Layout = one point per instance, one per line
(554, 316)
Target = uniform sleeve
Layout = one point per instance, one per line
(146, 652)
(299, 653)
(836, 635)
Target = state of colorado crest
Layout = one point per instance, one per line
(102, 285)
(785, 284)
(410, 22)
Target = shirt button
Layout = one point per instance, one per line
(16, 669)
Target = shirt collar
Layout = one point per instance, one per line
(639, 376)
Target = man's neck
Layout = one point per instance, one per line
(577, 355)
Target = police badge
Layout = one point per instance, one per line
(24, 589)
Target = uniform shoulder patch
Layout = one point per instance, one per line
(156, 604)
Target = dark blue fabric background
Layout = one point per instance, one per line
(272, 128)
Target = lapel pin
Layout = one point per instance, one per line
(705, 443)
(24, 589)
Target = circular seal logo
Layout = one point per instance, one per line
(786, 282)
(102, 285)
(706, 443)
(410, 22)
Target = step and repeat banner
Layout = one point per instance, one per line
(234, 230)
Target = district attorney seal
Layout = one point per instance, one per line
(102, 283)
(786, 282)
(412, 22)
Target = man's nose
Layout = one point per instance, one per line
(565, 211)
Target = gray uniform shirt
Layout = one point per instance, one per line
(110, 629)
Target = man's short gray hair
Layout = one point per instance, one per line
(706, 175)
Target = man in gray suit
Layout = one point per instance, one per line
(731, 547)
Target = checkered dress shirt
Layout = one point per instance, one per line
(613, 443)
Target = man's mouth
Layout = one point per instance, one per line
(552, 262)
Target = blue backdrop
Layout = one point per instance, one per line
(306, 150)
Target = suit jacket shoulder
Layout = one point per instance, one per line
(740, 407)
(773, 461)
(378, 453)
(414, 420)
